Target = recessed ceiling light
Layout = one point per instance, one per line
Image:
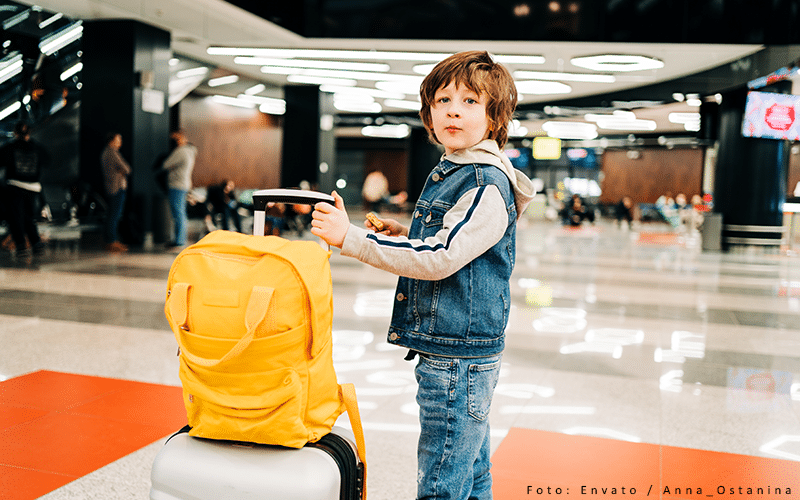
(617, 62)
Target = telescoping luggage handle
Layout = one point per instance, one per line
(264, 197)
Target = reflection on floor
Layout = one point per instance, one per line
(619, 343)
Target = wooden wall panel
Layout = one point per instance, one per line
(393, 164)
(240, 144)
(655, 172)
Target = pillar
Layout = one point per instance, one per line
(125, 80)
(423, 155)
(309, 147)
(750, 179)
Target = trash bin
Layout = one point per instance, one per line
(711, 231)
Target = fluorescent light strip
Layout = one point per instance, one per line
(406, 88)
(570, 130)
(684, 117)
(337, 89)
(315, 80)
(186, 73)
(223, 80)
(271, 109)
(623, 124)
(358, 108)
(255, 89)
(61, 39)
(617, 62)
(539, 87)
(370, 55)
(232, 101)
(354, 75)
(567, 77)
(353, 98)
(71, 71)
(512, 59)
(9, 110)
(257, 99)
(387, 131)
(363, 55)
(298, 63)
(402, 104)
(50, 20)
(15, 20)
(10, 66)
(619, 114)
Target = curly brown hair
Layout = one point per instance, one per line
(481, 74)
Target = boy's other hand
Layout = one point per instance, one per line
(330, 222)
(391, 227)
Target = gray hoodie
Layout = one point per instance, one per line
(180, 164)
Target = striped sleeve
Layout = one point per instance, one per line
(476, 223)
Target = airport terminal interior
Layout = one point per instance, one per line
(654, 357)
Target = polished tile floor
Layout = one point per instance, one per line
(630, 336)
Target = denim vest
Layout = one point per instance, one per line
(465, 314)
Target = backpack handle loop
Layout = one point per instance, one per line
(178, 308)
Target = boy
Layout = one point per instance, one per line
(454, 264)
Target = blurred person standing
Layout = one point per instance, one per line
(115, 172)
(375, 190)
(23, 160)
(179, 165)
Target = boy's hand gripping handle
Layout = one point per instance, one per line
(263, 197)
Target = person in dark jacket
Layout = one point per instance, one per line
(23, 160)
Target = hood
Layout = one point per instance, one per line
(488, 152)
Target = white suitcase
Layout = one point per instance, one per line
(190, 468)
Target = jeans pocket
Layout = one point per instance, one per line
(482, 381)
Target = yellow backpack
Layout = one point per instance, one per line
(252, 316)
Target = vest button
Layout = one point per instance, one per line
(417, 214)
(401, 297)
(393, 336)
(428, 218)
(435, 177)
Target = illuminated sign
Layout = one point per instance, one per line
(546, 148)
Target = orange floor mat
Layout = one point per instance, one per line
(56, 427)
(537, 464)
(658, 238)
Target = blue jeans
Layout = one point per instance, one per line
(454, 451)
(116, 203)
(177, 205)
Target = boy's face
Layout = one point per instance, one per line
(458, 117)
